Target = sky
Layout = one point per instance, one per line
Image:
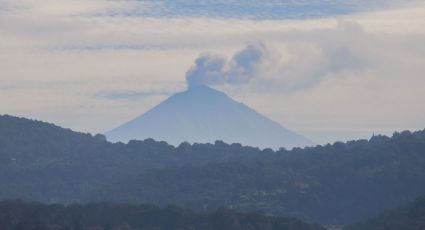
(330, 70)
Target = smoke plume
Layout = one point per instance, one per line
(210, 69)
(305, 65)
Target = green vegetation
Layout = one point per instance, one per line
(16, 215)
(342, 183)
(409, 217)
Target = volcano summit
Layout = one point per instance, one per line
(201, 115)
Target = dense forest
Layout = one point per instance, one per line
(17, 215)
(340, 183)
(408, 217)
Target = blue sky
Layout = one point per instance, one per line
(331, 70)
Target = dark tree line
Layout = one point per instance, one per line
(407, 217)
(18, 215)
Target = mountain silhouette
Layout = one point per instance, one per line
(204, 115)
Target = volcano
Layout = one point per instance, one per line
(203, 115)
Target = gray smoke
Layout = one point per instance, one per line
(210, 69)
(306, 62)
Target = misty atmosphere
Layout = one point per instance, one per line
(212, 115)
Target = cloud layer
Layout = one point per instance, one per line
(251, 9)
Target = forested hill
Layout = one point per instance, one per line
(44, 162)
(340, 183)
(408, 217)
(334, 184)
(104, 216)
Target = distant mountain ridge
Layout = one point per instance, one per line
(204, 115)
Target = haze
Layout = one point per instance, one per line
(328, 70)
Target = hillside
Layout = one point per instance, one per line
(41, 161)
(105, 216)
(335, 184)
(342, 183)
(408, 217)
